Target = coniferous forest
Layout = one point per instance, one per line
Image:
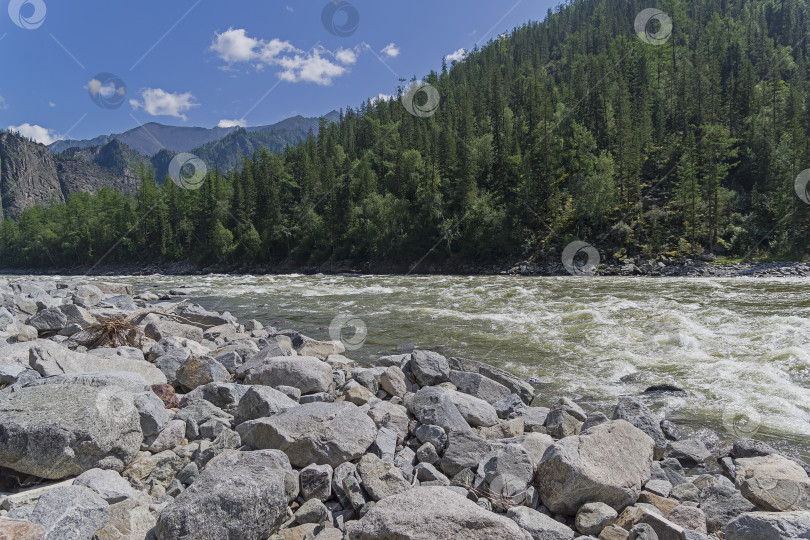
(570, 129)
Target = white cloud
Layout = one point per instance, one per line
(38, 133)
(346, 56)
(51, 104)
(457, 56)
(96, 87)
(391, 50)
(3, 104)
(289, 8)
(382, 97)
(232, 123)
(319, 66)
(235, 46)
(158, 102)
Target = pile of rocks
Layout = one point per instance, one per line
(210, 428)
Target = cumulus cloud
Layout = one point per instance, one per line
(457, 56)
(232, 123)
(51, 104)
(158, 102)
(319, 66)
(391, 50)
(38, 133)
(382, 97)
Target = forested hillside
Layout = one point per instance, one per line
(573, 128)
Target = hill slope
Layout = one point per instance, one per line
(649, 144)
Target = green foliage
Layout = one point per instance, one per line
(569, 128)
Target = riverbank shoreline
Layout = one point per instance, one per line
(177, 422)
(630, 267)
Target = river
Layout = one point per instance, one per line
(739, 347)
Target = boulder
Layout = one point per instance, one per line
(689, 452)
(380, 479)
(306, 373)
(539, 525)
(637, 413)
(238, 495)
(593, 517)
(224, 395)
(148, 469)
(392, 416)
(49, 361)
(427, 513)
(432, 405)
(162, 329)
(320, 433)
(261, 402)
(393, 381)
(479, 386)
(90, 428)
(316, 482)
(515, 384)
(109, 485)
(689, 517)
(128, 520)
(48, 320)
(609, 464)
(721, 503)
(172, 435)
(201, 370)
(17, 529)
(770, 526)
(70, 512)
(429, 368)
(312, 347)
(476, 412)
(465, 450)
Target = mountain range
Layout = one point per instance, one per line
(31, 173)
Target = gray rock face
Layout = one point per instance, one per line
(593, 517)
(479, 386)
(637, 413)
(609, 464)
(476, 412)
(560, 424)
(261, 402)
(464, 451)
(515, 384)
(539, 525)
(316, 482)
(432, 405)
(306, 373)
(721, 503)
(427, 513)
(70, 512)
(201, 370)
(48, 320)
(429, 368)
(50, 360)
(224, 395)
(238, 495)
(394, 417)
(690, 452)
(393, 381)
(746, 448)
(152, 413)
(381, 479)
(90, 428)
(109, 485)
(770, 526)
(321, 433)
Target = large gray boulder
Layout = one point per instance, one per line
(307, 373)
(427, 513)
(109, 485)
(48, 320)
(320, 433)
(433, 405)
(479, 386)
(477, 412)
(770, 526)
(429, 368)
(515, 384)
(465, 450)
(49, 360)
(381, 479)
(637, 413)
(721, 502)
(70, 513)
(237, 495)
(609, 463)
(261, 402)
(55, 431)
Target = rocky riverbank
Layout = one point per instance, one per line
(662, 267)
(129, 416)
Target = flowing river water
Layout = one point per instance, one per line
(738, 347)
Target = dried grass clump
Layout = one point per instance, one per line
(112, 332)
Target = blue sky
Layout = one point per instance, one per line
(211, 62)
